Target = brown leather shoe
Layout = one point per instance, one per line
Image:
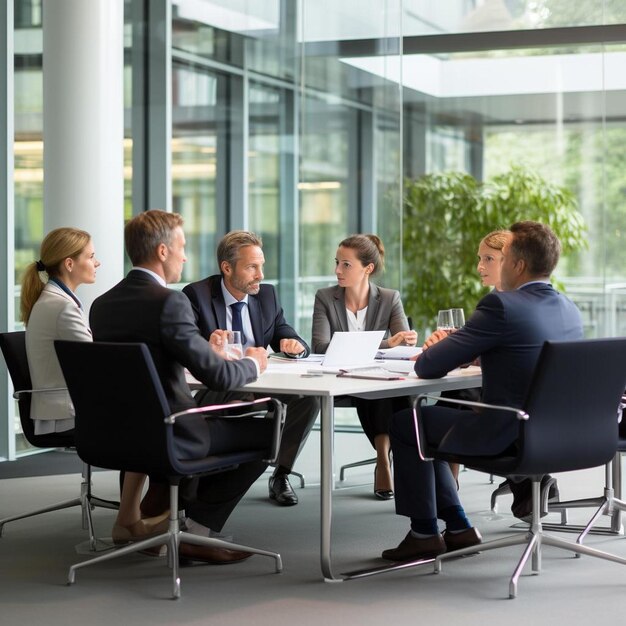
(412, 549)
(465, 539)
(189, 553)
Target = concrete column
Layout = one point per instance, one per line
(83, 127)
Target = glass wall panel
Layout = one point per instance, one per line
(264, 167)
(350, 138)
(556, 111)
(194, 164)
(28, 175)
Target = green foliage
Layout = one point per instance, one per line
(447, 214)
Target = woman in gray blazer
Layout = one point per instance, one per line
(51, 310)
(356, 304)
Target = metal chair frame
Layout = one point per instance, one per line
(533, 457)
(86, 500)
(173, 537)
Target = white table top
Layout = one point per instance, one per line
(283, 380)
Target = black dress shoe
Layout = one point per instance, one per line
(281, 490)
(522, 506)
(464, 539)
(412, 549)
(382, 494)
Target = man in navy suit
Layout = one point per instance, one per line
(507, 331)
(141, 308)
(235, 299)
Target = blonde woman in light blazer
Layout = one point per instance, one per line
(51, 310)
(356, 304)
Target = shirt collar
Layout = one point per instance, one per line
(154, 275)
(63, 287)
(535, 282)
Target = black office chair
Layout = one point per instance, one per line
(13, 347)
(123, 422)
(607, 504)
(568, 422)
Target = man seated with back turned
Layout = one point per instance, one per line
(235, 299)
(507, 330)
(142, 309)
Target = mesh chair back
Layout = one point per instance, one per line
(573, 401)
(13, 347)
(119, 402)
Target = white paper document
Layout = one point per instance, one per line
(403, 353)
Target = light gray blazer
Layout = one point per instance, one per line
(54, 316)
(384, 312)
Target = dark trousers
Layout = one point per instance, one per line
(299, 419)
(211, 499)
(375, 415)
(422, 488)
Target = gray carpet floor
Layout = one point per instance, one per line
(35, 554)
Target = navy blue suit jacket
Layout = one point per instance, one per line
(507, 331)
(266, 315)
(138, 309)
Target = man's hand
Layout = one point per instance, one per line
(436, 337)
(260, 356)
(218, 340)
(291, 346)
(403, 338)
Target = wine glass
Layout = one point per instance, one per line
(444, 320)
(458, 318)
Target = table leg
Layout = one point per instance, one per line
(327, 413)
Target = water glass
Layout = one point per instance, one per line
(233, 348)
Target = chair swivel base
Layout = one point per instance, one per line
(606, 505)
(172, 539)
(534, 539)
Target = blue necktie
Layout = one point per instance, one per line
(237, 323)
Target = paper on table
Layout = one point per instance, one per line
(372, 373)
(280, 356)
(403, 353)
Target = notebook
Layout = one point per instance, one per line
(348, 350)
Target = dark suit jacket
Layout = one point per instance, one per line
(138, 309)
(266, 315)
(384, 312)
(507, 331)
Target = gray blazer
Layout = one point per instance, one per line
(54, 316)
(384, 312)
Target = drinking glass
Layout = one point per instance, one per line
(458, 318)
(444, 320)
(233, 349)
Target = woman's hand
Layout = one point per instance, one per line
(403, 338)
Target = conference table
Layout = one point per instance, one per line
(295, 378)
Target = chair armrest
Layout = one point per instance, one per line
(17, 394)
(420, 436)
(279, 417)
(521, 415)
